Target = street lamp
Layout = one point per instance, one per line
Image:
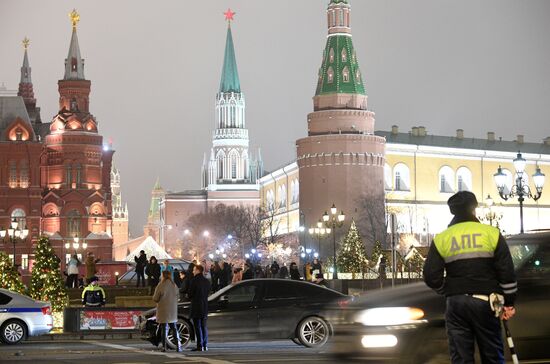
(14, 233)
(319, 232)
(489, 214)
(333, 221)
(520, 188)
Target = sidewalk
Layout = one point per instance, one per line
(86, 335)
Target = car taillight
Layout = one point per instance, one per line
(344, 303)
(46, 310)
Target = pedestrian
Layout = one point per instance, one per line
(90, 266)
(470, 263)
(316, 268)
(320, 280)
(307, 272)
(141, 262)
(184, 286)
(259, 272)
(237, 275)
(225, 274)
(166, 266)
(191, 267)
(177, 279)
(153, 272)
(382, 267)
(215, 272)
(247, 272)
(283, 272)
(199, 289)
(72, 271)
(93, 295)
(274, 269)
(166, 297)
(294, 272)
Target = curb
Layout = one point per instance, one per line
(86, 336)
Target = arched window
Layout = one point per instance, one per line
(69, 175)
(18, 134)
(20, 217)
(78, 171)
(73, 224)
(282, 196)
(345, 74)
(270, 200)
(220, 157)
(24, 174)
(295, 191)
(344, 55)
(12, 174)
(446, 179)
(357, 75)
(331, 55)
(387, 177)
(463, 179)
(401, 177)
(330, 75)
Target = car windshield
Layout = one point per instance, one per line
(522, 252)
(531, 256)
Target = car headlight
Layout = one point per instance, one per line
(389, 316)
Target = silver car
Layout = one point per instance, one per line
(21, 316)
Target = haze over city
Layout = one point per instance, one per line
(479, 66)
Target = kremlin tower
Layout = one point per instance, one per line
(341, 161)
(75, 166)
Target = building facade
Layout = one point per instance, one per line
(55, 177)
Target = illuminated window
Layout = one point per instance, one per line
(73, 223)
(12, 173)
(446, 179)
(25, 261)
(401, 177)
(295, 191)
(463, 179)
(344, 55)
(330, 75)
(282, 196)
(345, 74)
(18, 134)
(24, 174)
(233, 167)
(357, 76)
(74, 63)
(331, 55)
(270, 199)
(19, 216)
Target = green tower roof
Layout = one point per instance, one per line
(230, 75)
(339, 72)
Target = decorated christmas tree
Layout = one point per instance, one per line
(352, 255)
(9, 277)
(46, 281)
(416, 263)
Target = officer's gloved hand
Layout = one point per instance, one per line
(508, 312)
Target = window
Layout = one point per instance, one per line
(12, 174)
(357, 76)
(24, 261)
(73, 223)
(344, 55)
(345, 74)
(463, 179)
(242, 293)
(78, 171)
(387, 177)
(69, 176)
(18, 134)
(24, 174)
(280, 290)
(330, 75)
(295, 191)
(282, 196)
(4, 299)
(220, 168)
(270, 200)
(446, 179)
(19, 216)
(233, 167)
(331, 55)
(73, 64)
(401, 177)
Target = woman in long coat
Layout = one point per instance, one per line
(166, 297)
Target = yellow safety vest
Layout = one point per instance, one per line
(467, 240)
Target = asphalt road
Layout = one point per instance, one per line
(137, 351)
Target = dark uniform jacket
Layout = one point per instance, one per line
(199, 289)
(141, 262)
(470, 258)
(93, 296)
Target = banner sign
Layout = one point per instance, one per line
(109, 320)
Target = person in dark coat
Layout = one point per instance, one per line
(215, 272)
(294, 272)
(199, 289)
(274, 269)
(153, 272)
(248, 273)
(141, 262)
(184, 287)
(225, 274)
(177, 279)
(283, 272)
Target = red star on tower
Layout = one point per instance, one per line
(229, 15)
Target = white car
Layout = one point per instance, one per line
(21, 316)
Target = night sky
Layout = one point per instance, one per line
(155, 69)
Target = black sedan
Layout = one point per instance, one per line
(258, 309)
(407, 323)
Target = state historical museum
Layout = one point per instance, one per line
(55, 177)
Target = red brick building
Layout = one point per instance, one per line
(56, 181)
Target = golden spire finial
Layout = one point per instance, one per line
(75, 17)
(26, 42)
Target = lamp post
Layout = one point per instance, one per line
(520, 189)
(319, 231)
(255, 255)
(76, 245)
(333, 221)
(489, 214)
(14, 233)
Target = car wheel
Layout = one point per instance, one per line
(313, 332)
(184, 329)
(12, 332)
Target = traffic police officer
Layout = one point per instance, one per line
(467, 263)
(93, 295)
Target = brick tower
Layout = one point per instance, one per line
(341, 160)
(75, 167)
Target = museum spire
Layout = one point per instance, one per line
(74, 64)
